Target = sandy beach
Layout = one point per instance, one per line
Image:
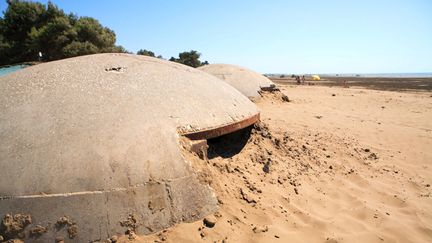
(418, 84)
(333, 165)
(215, 122)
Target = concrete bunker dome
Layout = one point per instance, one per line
(96, 139)
(248, 82)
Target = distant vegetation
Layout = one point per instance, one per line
(190, 58)
(145, 52)
(28, 28)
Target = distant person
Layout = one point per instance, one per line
(297, 79)
(40, 56)
(303, 79)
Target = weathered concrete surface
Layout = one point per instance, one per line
(96, 139)
(245, 80)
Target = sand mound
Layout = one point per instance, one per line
(273, 95)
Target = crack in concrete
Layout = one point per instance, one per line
(69, 194)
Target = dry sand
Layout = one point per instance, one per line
(332, 165)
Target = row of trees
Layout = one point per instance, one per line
(28, 28)
(190, 58)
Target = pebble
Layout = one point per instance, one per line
(114, 238)
(248, 198)
(260, 229)
(210, 221)
(266, 167)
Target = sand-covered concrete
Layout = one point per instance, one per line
(248, 82)
(96, 139)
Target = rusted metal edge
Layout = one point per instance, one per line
(222, 130)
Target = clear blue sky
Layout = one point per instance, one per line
(327, 36)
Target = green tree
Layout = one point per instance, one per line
(20, 17)
(52, 12)
(89, 29)
(145, 53)
(52, 38)
(117, 49)
(190, 58)
(29, 27)
(4, 50)
(18, 20)
(77, 48)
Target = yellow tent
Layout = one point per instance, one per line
(315, 77)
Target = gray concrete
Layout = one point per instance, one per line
(96, 138)
(248, 82)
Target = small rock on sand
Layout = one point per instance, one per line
(266, 167)
(114, 238)
(260, 229)
(248, 198)
(210, 221)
